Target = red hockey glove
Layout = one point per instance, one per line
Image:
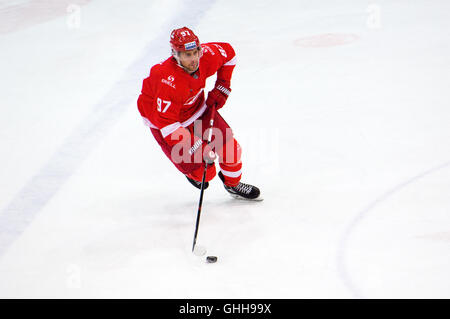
(219, 94)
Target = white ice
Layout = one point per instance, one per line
(349, 143)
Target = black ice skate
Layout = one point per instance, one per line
(197, 184)
(242, 190)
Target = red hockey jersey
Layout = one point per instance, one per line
(172, 98)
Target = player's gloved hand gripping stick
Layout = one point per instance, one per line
(219, 95)
(211, 125)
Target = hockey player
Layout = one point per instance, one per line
(172, 103)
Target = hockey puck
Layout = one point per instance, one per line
(211, 259)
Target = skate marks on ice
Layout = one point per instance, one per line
(350, 229)
(236, 197)
(140, 232)
(19, 15)
(223, 221)
(326, 40)
(22, 209)
(441, 236)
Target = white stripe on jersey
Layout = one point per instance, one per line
(148, 123)
(169, 129)
(195, 116)
(231, 62)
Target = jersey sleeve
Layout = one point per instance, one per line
(224, 58)
(146, 98)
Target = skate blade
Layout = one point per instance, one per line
(258, 199)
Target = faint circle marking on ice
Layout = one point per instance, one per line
(342, 249)
(326, 40)
(441, 236)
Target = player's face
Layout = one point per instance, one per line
(190, 59)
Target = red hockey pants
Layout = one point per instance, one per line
(223, 144)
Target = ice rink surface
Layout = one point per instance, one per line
(342, 111)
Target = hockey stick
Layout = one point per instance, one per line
(197, 223)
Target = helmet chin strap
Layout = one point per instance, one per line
(177, 58)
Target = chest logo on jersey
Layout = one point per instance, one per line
(191, 100)
(169, 81)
